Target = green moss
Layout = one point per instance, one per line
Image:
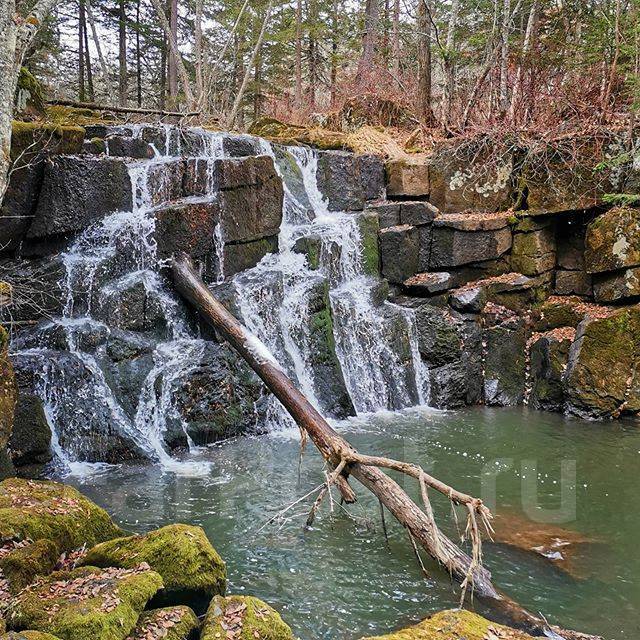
(49, 510)
(287, 134)
(32, 138)
(622, 199)
(29, 94)
(180, 553)
(255, 619)
(85, 604)
(27, 635)
(75, 116)
(368, 226)
(22, 566)
(454, 625)
(170, 623)
(8, 392)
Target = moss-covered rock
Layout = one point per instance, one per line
(368, 226)
(533, 253)
(248, 617)
(455, 624)
(170, 623)
(21, 566)
(29, 97)
(86, 603)
(181, 554)
(8, 396)
(291, 134)
(27, 635)
(603, 362)
(613, 241)
(49, 510)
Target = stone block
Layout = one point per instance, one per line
(613, 241)
(406, 178)
(613, 287)
(534, 253)
(451, 247)
(573, 283)
(400, 252)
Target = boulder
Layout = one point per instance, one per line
(170, 623)
(613, 287)
(573, 283)
(238, 146)
(407, 178)
(456, 624)
(466, 178)
(399, 253)
(30, 441)
(77, 191)
(604, 362)
(505, 341)
(417, 213)
(566, 311)
(22, 562)
(428, 284)
(243, 618)
(388, 213)
(245, 255)
(31, 144)
(215, 400)
(291, 174)
(85, 603)
(548, 358)
(8, 397)
(451, 247)
(613, 241)
(128, 147)
(191, 569)
(37, 510)
(349, 181)
(534, 253)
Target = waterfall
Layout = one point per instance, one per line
(284, 300)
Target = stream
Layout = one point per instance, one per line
(339, 580)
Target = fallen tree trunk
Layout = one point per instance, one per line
(346, 461)
(103, 107)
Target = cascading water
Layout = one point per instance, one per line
(280, 300)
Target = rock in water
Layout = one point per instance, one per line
(455, 624)
(243, 618)
(190, 567)
(170, 623)
(86, 603)
(48, 510)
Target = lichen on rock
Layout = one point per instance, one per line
(243, 618)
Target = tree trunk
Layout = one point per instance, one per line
(369, 40)
(312, 53)
(347, 462)
(15, 38)
(527, 45)
(87, 56)
(122, 55)
(257, 88)
(199, 54)
(138, 57)
(81, 58)
(504, 56)
(252, 62)
(163, 73)
(424, 63)
(334, 53)
(174, 53)
(449, 64)
(96, 42)
(298, 87)
(395, 38)
(173, 61)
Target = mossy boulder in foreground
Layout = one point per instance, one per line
(243, 618)
(455, 624)
(27, 635)
(170, 623)
(48, 510)
(22, 562)
(181, 554)
(86, 603)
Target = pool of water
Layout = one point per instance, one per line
(341, 580)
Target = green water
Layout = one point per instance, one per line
(340, 580)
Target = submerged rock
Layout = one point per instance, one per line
(86, 603)
(189, 565)
(243, 618)
(455, 624)
(170, 623)
(48, 510)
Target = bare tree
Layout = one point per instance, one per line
(370, 38)
(449, 63)
(424, 62)
(504, 55)
(96, 41)
(173, 58)
(298, 89)
(18, 28)
(395, 38)
(527, 45)
(122, 55)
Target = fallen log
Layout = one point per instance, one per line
(94, 106)
(347, 462)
